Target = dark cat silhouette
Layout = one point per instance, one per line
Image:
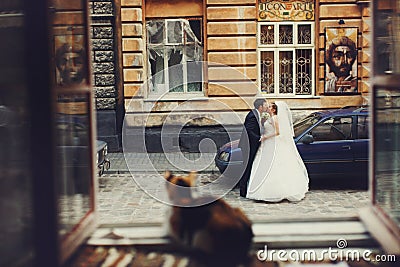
(221, 233)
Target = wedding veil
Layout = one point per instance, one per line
(285, 121)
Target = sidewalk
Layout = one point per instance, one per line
(323, 217)
(177, 162)
(121, 200)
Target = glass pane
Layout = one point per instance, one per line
(363, 127)
(387, 152)
(175, 71)
(156, 59)
(194, 76)
(69, 40)
(169, 61)
(267, 34)
(285, 34)
(304, 34)
(73, 159)
(174, 32)
(267, 72)
(338, 128)
(16, 198)
(155, 31)
(191, 53)
(286, 72)
(303, 71)
(387, 36)
(193, 30)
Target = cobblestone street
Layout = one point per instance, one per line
(121, 200)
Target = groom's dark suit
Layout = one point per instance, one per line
(249, 144)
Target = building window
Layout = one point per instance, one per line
(286, 58)
(175, 55)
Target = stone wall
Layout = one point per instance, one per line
(230, 41)
(105, 72)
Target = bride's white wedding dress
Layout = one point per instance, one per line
(278, 171)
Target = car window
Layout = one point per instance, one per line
(302, 125)
(335, 128)
(362, 127)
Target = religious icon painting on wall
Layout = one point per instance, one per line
(341, 60)
(70, 56)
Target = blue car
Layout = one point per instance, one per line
(332, 144)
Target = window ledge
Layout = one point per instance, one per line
(299, 234)
(176, 97)
(379, 227)
(290, 97)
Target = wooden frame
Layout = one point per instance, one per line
(379, 219)
(72, 87)
(76, 179)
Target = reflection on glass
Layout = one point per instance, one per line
(70, 55)
(73, 159)
(70, 64)
(387, 152)
(16, 198)
(387, 37)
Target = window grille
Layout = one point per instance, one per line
(286, 58)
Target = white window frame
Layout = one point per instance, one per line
(276, 48)
(165, 90)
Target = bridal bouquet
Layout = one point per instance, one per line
(265, 116)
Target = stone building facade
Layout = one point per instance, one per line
(106, 72)
(254, 48)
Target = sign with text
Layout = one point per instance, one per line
(286, 10)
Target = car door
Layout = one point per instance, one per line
(330, 154)
(360, 147)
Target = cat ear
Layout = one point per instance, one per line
(192, 178)
(167, 175)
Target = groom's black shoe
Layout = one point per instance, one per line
(242, 192)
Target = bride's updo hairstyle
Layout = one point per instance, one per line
(275, 107)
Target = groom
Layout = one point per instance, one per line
(250, 141)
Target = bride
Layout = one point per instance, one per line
(278, 171)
